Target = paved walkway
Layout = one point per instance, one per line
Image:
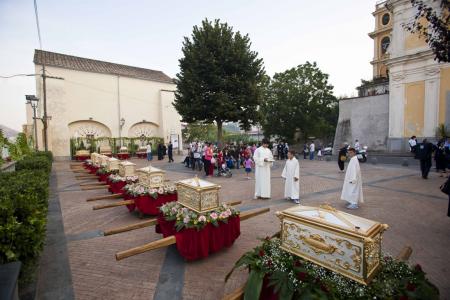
(414, 208)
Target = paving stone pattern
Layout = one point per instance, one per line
(414, 208)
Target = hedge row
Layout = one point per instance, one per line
(23, 211)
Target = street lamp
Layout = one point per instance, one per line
(33, 101)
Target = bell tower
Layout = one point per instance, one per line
(381, 38)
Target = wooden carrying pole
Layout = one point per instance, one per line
(93, 183)
(147, 247)
(95, 187)
(105, 197)
(83, 177)
(115, 204)
(145, 223)
(171, 239)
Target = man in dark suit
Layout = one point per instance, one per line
(424, 151)
(170, 151)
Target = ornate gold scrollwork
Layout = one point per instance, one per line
(318, 244)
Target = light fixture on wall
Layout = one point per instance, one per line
(122, 122)
(33, 101)
(90, 118)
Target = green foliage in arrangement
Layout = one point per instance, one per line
(23, 212)
(292, 277)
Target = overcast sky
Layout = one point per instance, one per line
(149, 34)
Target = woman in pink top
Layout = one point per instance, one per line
(208, 156)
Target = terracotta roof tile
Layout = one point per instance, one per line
(97, 66)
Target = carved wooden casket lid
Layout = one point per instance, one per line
(113, 163)
(127, 163)
(328, 216)
(198, 184)
(150, 170)
(82, 153)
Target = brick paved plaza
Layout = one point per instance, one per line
(414, 208)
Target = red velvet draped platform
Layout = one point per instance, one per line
(193, 244)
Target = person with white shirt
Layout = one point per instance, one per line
(357, 146)
(312, 148)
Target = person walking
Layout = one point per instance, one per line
(352, 188)
(291, 173)
(149, 152)
(160, 152)
(170, 151)
(342, 157)
(305, 150)
(312, 148)
(263, 161)
(412, 144)
(424, 152)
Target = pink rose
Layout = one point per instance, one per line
(186, 220)
(202, 219)
(213, 216)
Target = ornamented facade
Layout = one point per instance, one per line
(100, 99)
(409, 93)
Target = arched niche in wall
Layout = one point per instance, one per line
(143, 129)
(88, 129)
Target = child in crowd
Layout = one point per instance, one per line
(319, 154)
(248, 166)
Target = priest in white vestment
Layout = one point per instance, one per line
(291, 173)
(263, 162)
(352, 189)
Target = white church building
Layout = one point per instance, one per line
(93, 98)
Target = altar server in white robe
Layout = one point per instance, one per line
(263, 162)
(352, 189)
(291, 173)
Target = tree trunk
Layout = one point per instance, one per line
(219, 134)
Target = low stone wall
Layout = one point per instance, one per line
(365, 119)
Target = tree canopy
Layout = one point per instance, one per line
(300, 100)
(220, 77)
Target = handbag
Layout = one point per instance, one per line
(213, 160)
(343, 158)
(445, 187)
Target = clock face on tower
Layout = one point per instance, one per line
(385, 44)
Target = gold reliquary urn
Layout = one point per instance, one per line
(198, 195)
(344, 243)
(151, 177)
(126, 168)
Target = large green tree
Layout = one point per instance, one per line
(300, 100)
(220, 77)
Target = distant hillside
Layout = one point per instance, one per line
(8, 132)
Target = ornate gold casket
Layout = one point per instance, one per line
(151, 176)
(198, 195)
(347, 244)
(126, 168)
(82, 153)
(112, 164)
(95, 157)
(103, 160)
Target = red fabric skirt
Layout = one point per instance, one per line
(117, 187)
(149, 205)
(123, 156)
(103, 177)
(195, 244)
(82, 157)
(93, 169)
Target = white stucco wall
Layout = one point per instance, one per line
(106, 99)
